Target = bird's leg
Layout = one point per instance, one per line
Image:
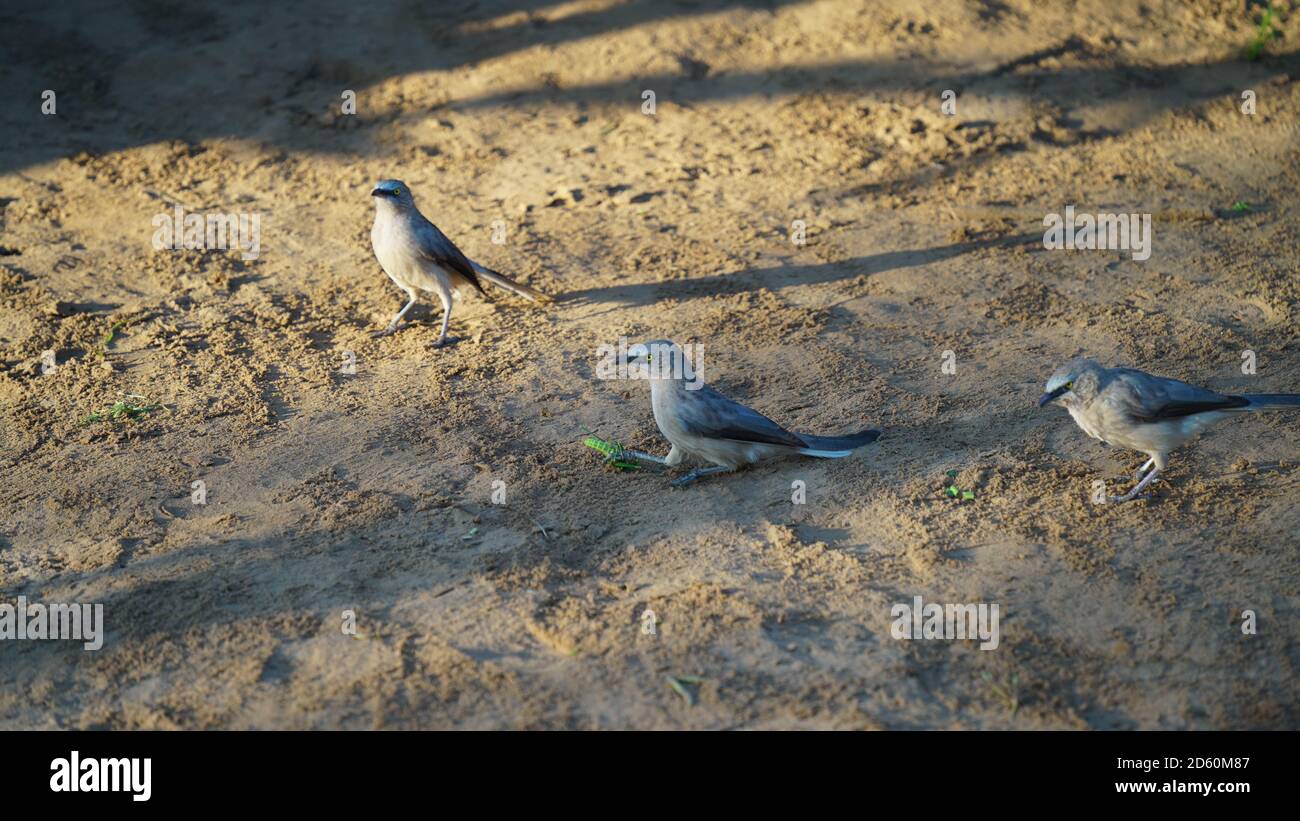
(443, 339)
(1132, 494)
(1138, 476)
(392, 326)
(697, 473)
(642, 456)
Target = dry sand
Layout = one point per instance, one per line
(372, 492)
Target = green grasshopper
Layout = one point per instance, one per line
(613, 452)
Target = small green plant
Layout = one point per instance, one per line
(1264, 35)
(122, 409)
(1241, 207)
(111, 335)
(955, 492)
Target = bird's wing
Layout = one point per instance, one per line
(1152, 398)
(709, 414)
(435, 247)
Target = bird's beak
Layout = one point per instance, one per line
(1051, 396)
(377, 193)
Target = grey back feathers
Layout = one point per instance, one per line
(1151, 398)
(705, 412)
(436, 248)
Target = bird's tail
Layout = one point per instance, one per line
(503, 281)
(836, 447)
(1273, 401)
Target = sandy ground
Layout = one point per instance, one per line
(371, 491)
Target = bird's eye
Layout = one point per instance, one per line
(1069, 385)
(397, 192)
(648, 357)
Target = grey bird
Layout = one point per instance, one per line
(419, 257)
(701, 423)
(1150, 414)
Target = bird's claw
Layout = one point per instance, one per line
(446, 341)
(683, 481)
(1127, 497)
(391, 329)
(616, 452)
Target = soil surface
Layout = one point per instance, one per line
(523, 130)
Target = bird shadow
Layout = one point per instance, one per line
(778, 277)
